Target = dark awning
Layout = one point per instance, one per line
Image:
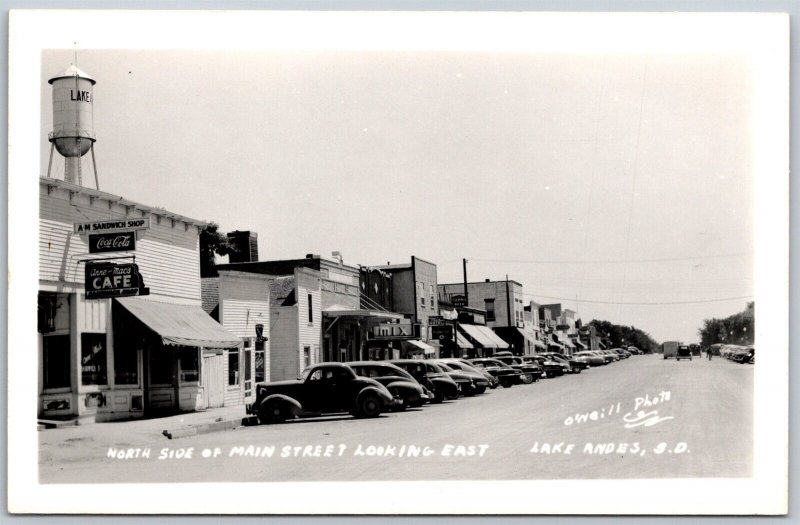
(179, 324)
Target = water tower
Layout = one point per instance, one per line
(73, 122)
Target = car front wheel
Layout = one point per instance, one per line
(526, 379)
(369, 405)
(273, 412)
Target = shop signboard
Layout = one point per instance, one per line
(398, 330)
(442, 332)
(112, 242)
(105, 279)
(436, 320)
(112, 226)
(458, 300)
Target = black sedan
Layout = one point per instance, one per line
(399, 382)
(530, 371)
(431, 377)
(506, 375)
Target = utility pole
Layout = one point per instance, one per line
(466, 291)
(508, 305)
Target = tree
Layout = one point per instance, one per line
(213, 242)
(737, 329)
(623, 336)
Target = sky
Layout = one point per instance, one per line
(617, 184)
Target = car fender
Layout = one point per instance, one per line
(408, 385)
(374, 390)
(292, 402)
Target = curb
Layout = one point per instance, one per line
(206, 428)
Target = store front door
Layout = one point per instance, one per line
(212, 381)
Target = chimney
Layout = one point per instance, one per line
(246, 245)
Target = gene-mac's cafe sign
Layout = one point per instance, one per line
(113, 280)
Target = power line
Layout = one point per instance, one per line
(613, 261)
(659, 303)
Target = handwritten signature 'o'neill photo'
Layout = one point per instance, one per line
(631, 419)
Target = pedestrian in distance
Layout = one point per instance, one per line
(709, 354)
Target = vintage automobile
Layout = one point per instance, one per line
(399, 382)
(464, 380)
(530, 371)
(684, 352)
(506, 375)
(592, 358)
(431, 377)
(613, 355)
(479, 381)
(621, 352)
(463, 364)
(743, 354)
(326, 388)
(576, 363)
(551, 367)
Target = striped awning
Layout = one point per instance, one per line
(477, 335)
(462, 342)
(179, 324)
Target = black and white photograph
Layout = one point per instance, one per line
(398, 263)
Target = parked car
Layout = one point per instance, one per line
(550, 366)
(684, 352)
(481, 379)
(321, 389)
(576, 362)
(466, 382)
(530, 371)
(742, 354)
(431, 377)
(506, 375)
(613, 355)
(592, 357)
(399, 382)
(634, 351)
(621, 352)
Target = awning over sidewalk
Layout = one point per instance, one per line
(499, 341)
(338, 310)
(479, 336)
(419, 345)
(564, 340)
(462, 342)
(580, 344)
(179, 324)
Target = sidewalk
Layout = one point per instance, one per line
(169, 427)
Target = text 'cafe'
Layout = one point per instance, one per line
(121, 330)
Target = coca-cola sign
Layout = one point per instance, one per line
(112, 242)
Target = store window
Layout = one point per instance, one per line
(189, 364)
(489, 307)
(93, 359)
(260, 356)
(55, 359)
(126, 365)
(233, 367)
(306, 356)
(310, 310)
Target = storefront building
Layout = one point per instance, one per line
(121, 331)
(346, 325)
(414, 292)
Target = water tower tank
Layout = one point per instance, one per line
(73, 124)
